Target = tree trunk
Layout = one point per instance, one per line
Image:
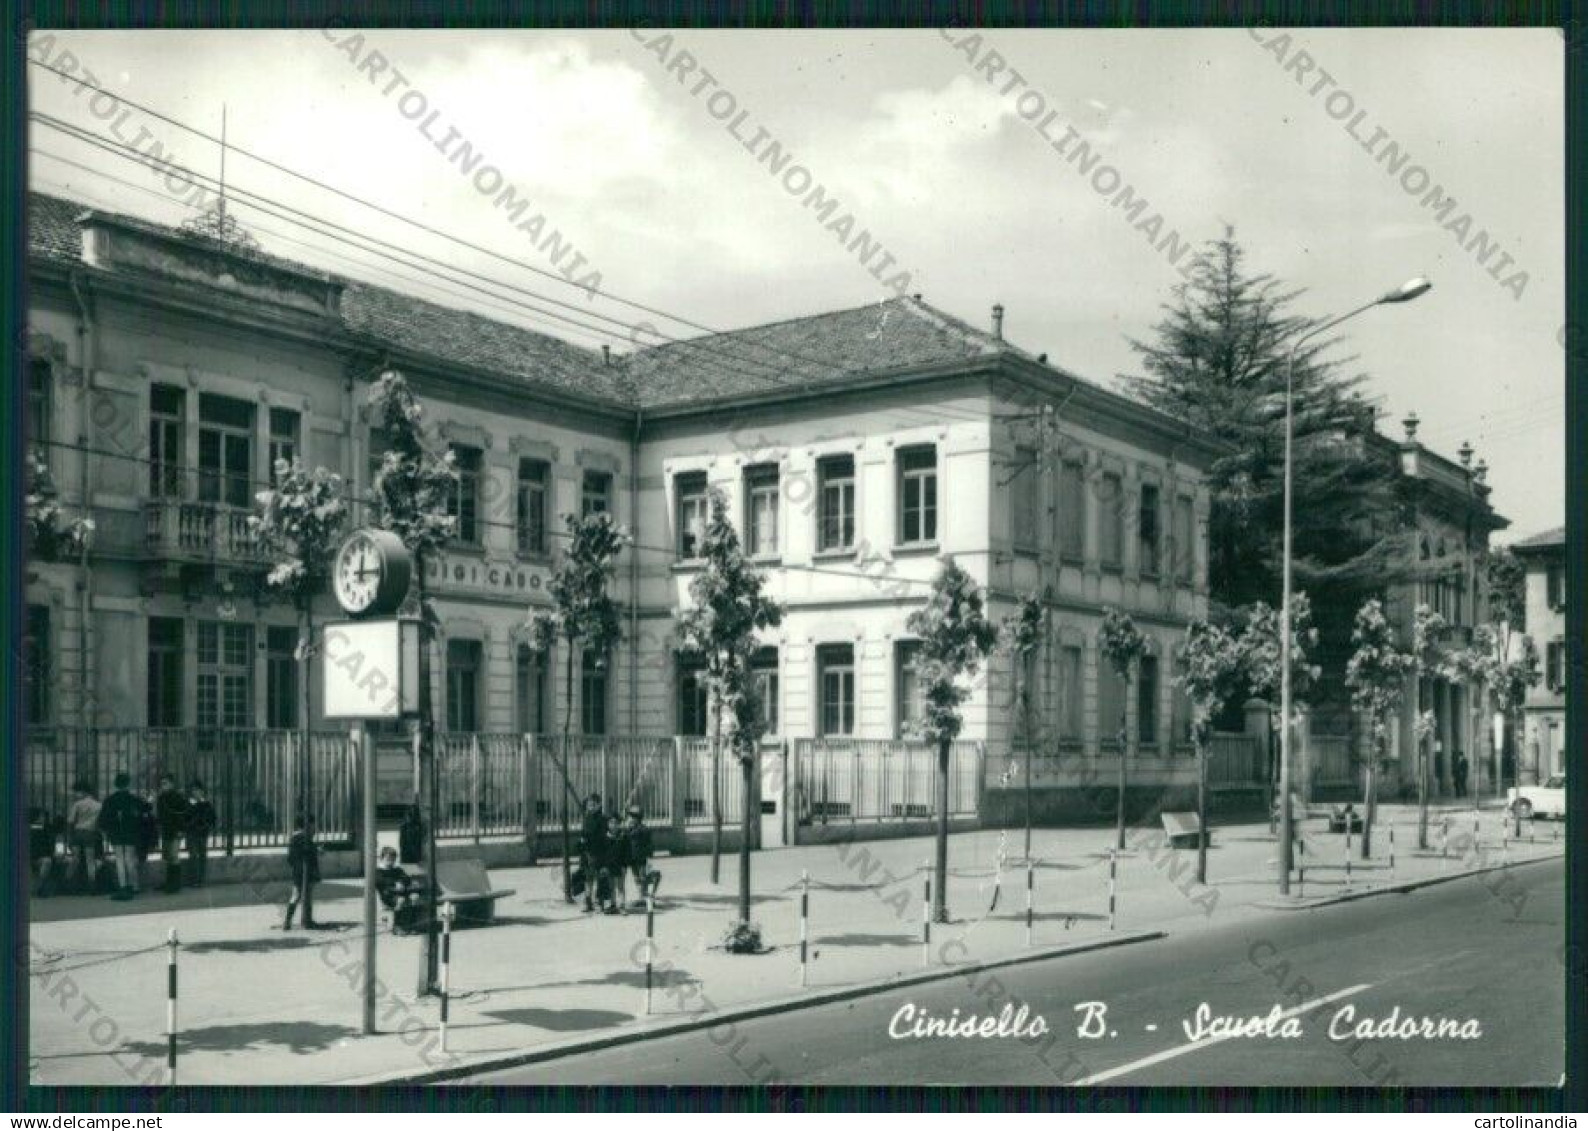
(567, 740)
(1423, 769)
(303, 800)
(429, 959)
(940, 884)
(1273, 777)
(1370, 800)
(1119, 814)
(1202, 811)
(744, 839)
(1029, 745)
(716, 794)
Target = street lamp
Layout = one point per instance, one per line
(1412, 288)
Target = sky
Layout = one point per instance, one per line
(656, 167)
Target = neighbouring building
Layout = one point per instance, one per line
(168, 370)
(1543, 751)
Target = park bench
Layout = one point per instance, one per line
(1182, 829)
(467, 886)
(1300, 810)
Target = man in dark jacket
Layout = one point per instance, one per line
(170, 813)
(121, 822)
(200, 823)
(41, 850)
(593, 851)
(411, 836)
(303, 862)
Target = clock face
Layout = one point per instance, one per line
(359, 568)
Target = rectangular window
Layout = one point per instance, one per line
(1555, 585)
(1070, 694)
(533, 477)
(225, 675)
(1072, 512)
(836, 684)
(529, 678)
(1182, 707)
(690, 513)
(1110, 704)
(911, 705)
(760, 517)
(1025, 491)
(1147, 530)
(283, 439)
(917, 495)
(1111, 532)
(226, 450)
(763, 670)
(593, 673)
(463, 686)
(595, 493)
(1184, 548)
(165, 694)
(167, 409)
(37, 422)
(281, 678)
(36, 666)
(1147, 702)
(694, 701)
(835, 516)
(1555, 665)
(463, 504)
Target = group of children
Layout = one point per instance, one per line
(108, 842)
(611, 852)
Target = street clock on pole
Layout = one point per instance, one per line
(372, 573)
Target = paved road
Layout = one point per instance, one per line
(1484, 949)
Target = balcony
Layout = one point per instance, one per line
(176, 530)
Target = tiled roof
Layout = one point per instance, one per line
(834, 347)
(831, 347)
(391, 318)
(1554, 537)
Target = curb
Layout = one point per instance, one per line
(741, 1013)
(1399, 888)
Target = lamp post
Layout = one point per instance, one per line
(1404, 293)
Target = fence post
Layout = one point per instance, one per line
(229, 804)
(680, 792)
(528, 771)
(474, 785)
(981, 781)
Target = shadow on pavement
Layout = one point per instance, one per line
(296, 1036)
(861, 939)
(563, 1020)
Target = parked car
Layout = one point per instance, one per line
(1547, 800)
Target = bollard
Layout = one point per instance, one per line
(1301, 867)
(926, 918)
(1477, 833)
(1030, 873)
(1348, 850)
(650, 947)
(1113, 886)
(170, 1008)
(446, 969)
(1392, 850)
(1444, 842)
(805, 930)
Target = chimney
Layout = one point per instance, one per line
(606, 354)
(1410, 424)
(1465, 452)
(1481, 472)
(998, 321)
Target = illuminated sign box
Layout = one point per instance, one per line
(370, 668)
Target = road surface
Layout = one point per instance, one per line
(1482, 953)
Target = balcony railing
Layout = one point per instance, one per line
(195, 531)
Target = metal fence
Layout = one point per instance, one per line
(881, 780)
(249, 775)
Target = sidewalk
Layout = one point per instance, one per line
(262, 1006)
